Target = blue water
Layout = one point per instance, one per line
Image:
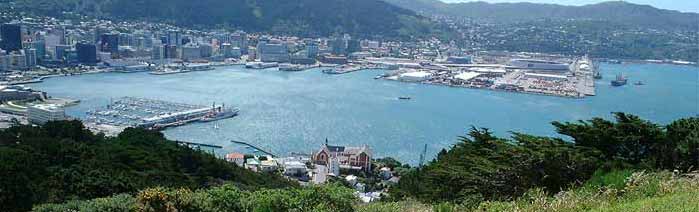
(297, 111)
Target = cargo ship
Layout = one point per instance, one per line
(619, 81)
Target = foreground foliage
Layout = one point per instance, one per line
(63, 161)
(483, 167)
(639, 191)
(224, 198)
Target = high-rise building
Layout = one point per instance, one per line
(353, 46)
(240, 39)
(87, 53)
(206, 50)
(191, 52)
(174, 38)
(158, 52)
(312, 50)
(60, 52)
(30, 57)
(338, 46)
(11, 35)
(109, 43)
(272, 52)
(18, 61)
(171, 51)
(40, 46)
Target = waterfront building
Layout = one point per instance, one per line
(158, 52)
(42, 113)
(206, 50)
(333, 59)
(312, 50)
(110, 43)
(104, 56)
(273, 52)
(87, 53)
(358, 158)
(61, 52)
(190, 52)
(415, 76)
(11, 35)
(539, 65)
(18, 92)
(240, 39)
(171, 52)
(459, 60)
(338, 46)
(353, 45)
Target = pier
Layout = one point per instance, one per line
(254, 147)
(199, 146)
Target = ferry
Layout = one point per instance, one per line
(289, 67)
(260, 65)
(404, 98)
(219, 113)
(619, 81)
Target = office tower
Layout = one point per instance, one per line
(87, 53)
(11, 35)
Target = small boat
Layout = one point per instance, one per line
(404, 98)
(619, 81)
(598, 75)
(639, 83)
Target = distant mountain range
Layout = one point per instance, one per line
(613, 11)
(304, 17)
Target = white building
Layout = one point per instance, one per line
(415, 76)
(42, 113)
(294, 168)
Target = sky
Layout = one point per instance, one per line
(680, 5)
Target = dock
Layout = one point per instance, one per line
(199, 146)
(254, 147)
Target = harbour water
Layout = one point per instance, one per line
(296, 111)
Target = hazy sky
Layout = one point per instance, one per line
(681, 5)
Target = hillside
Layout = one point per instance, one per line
(366, 18)
(627, 164)
(614, 11)
(63, 161)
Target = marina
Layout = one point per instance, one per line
(154, 114)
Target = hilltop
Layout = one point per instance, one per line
(364, 18)
(618, 12)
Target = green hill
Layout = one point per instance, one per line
(366, 18)
(618, 12)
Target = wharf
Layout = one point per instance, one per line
(254, 147)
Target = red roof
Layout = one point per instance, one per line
(234, 155)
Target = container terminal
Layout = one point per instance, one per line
(570, 78)
(153, 114)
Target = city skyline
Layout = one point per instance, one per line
(681, 5)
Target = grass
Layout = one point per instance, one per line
(620, 191)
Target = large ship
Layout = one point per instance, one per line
(620, 80)
(219, 112)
